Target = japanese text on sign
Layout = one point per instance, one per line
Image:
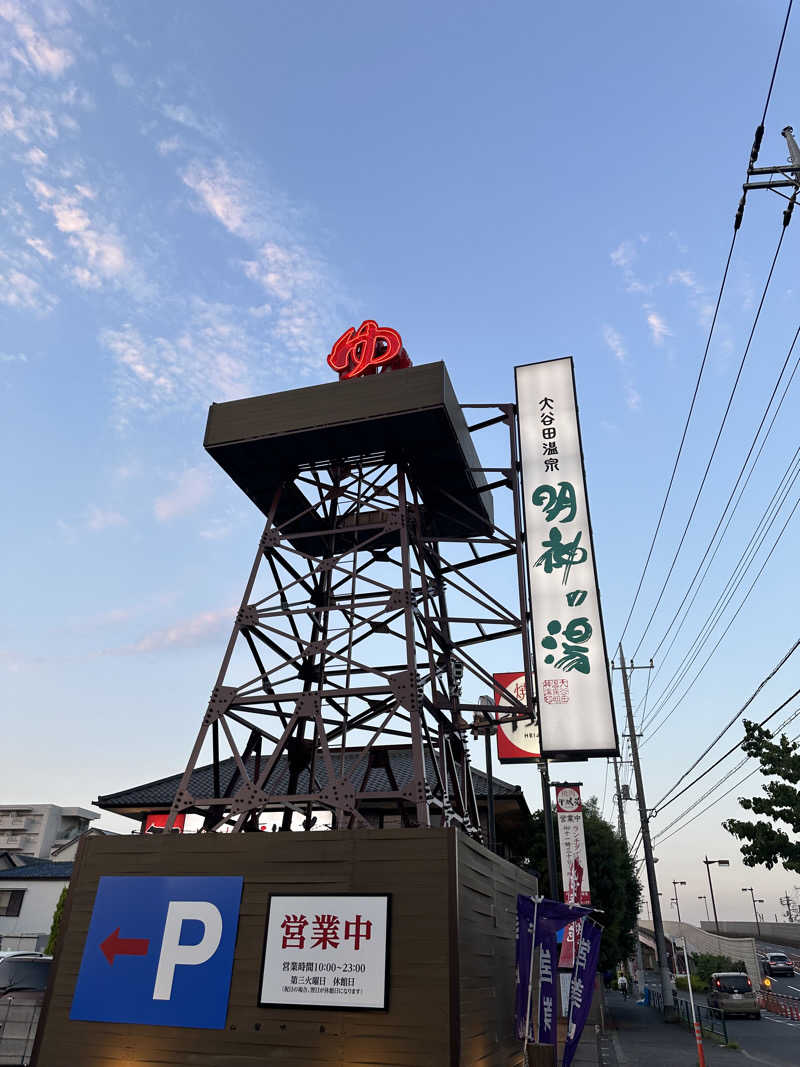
(575, 709)
(327, 951)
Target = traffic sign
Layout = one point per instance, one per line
(159, 951)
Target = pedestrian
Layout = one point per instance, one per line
(622, 986)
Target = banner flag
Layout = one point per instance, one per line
(548, 992)
(549, 916)
(574, 865)
(582, 986)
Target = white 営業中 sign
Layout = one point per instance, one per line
(576, 712)
(327, 951)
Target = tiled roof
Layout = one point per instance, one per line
(160, 793)
(41, 869)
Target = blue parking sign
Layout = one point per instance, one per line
(159, 951)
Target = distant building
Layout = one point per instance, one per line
(28, 897)
(37, 829)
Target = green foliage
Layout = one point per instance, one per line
(612, 880)
(56, 924)
(767, 842)
(704, 964)
(699, 985)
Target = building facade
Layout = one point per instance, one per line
(28, 898)
(37, 829)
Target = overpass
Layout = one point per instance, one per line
(702, 940)
(776, 933)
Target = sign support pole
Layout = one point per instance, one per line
(655, 903)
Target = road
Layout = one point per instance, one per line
(773, 1040)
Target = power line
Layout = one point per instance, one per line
(735, 579)
(736, 484)
(737, 223)
(721, 610)
(787, 656)
(719, 435)
(683, 435)
(717, 762)
(719, 798)
(723, 779)
(659, 702)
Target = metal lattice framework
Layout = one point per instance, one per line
(355, 631)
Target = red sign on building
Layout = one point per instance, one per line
(520, 744)
(367, 350)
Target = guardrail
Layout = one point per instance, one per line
(779, 1004)
(712, 1020)
(17, 1032)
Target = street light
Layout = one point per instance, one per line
(677, 905)
(749, 889)
(705, 901)
(720, 863)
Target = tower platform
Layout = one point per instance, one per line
(410, 417)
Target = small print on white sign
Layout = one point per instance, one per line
(327, 951)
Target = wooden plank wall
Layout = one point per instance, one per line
(412, 865)
(487, 913)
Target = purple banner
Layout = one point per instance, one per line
(550, 917)
(548, 993)
(582, 986)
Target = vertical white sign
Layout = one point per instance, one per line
(574, 865)
(576, 712)
(327, 951)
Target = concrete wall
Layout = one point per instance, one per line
(697, 940)
(779, 933)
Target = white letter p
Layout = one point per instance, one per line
(173, 953)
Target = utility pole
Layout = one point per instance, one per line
(677, 903)
(620, 817)
(655, 903)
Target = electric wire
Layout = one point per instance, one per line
(725, 755)
(703, 811)
(721, 781)
(764, 681)
(737, 224)
(717, 439)
(683, 435)
(733, 491)
(735, 615)
(775, 414)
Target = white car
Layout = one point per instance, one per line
(8, 953)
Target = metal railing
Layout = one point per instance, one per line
(18, 1022)
(712, 1020)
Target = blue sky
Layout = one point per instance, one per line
(198, 198)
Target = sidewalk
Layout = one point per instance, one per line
(638, 1035)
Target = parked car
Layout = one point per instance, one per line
(23, 981)
(777, 963)
(732, 992)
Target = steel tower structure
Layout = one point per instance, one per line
(367, 609)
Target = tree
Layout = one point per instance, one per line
(613, 883)
(767, 843)
(56, 924)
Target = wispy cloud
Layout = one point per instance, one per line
(102, 519)
(207, 360)
(225, 196)
(614, 342)
(624, 254)
(19, 290)
(193, 488)
(197, 630)
(658, 327)
(35, 50)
